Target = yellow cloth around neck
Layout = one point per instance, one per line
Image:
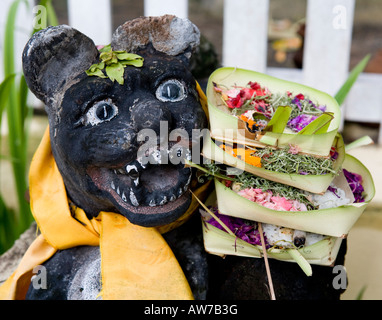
(136, 262)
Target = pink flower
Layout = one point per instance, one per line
(293, 149)
(270, 205)
(232, 93)
(282, 203)
(254, 85)
(267, 200)
(235, 102)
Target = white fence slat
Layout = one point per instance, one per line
(328, 43)
(245, 29)
(365, 99)
(289, 74)
(326, 52)
(92, 18)
(178, 8)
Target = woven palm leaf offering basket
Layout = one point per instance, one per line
(285, 165)
(261, 111)
(298, 226)
(225, 235)
(244, 195)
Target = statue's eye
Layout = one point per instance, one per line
(100, 112)
(171, 90)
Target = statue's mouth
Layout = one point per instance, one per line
(148, 187)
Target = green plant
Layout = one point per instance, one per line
(344, 90)
(13, 103)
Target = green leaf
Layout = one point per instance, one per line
(96, 66)
(106, 56)
(5, 88)
(344, 90)
(361, 293)
(105, 48)
(366, 140)
(8, 226)
(319, 125)
(279, 120)
(189, 163)
(8, 45)
(23, 96)
(95, 72)
(122, 55)
(115, 72)
(301, 261)
(51, 14)
(114, 63)
(135, 63)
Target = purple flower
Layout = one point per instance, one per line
(334, 190)
(355, 183)
(300, 122)
(297, 102)
(242, 229)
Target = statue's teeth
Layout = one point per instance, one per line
(131, 169)
(112, 185)
(133, 198)
(164, 200)
(152, 203)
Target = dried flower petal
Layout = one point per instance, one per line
(301, 121)
(243, 229)
(294, 149)
(355, 183)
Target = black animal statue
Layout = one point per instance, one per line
(96, 119)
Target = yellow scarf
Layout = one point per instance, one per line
(142, 265)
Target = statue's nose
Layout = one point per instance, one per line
(151, 115)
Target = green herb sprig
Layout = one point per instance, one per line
(281, 160)
(248, 180)
(113, 63)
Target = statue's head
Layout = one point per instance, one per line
(120, 145)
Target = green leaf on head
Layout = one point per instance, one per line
(113, 64)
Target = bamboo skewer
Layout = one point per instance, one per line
(272, 292)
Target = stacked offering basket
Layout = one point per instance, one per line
(318, 138)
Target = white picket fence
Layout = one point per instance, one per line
(326, 49)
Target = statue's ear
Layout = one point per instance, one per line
(53, 57)
(168, 34)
